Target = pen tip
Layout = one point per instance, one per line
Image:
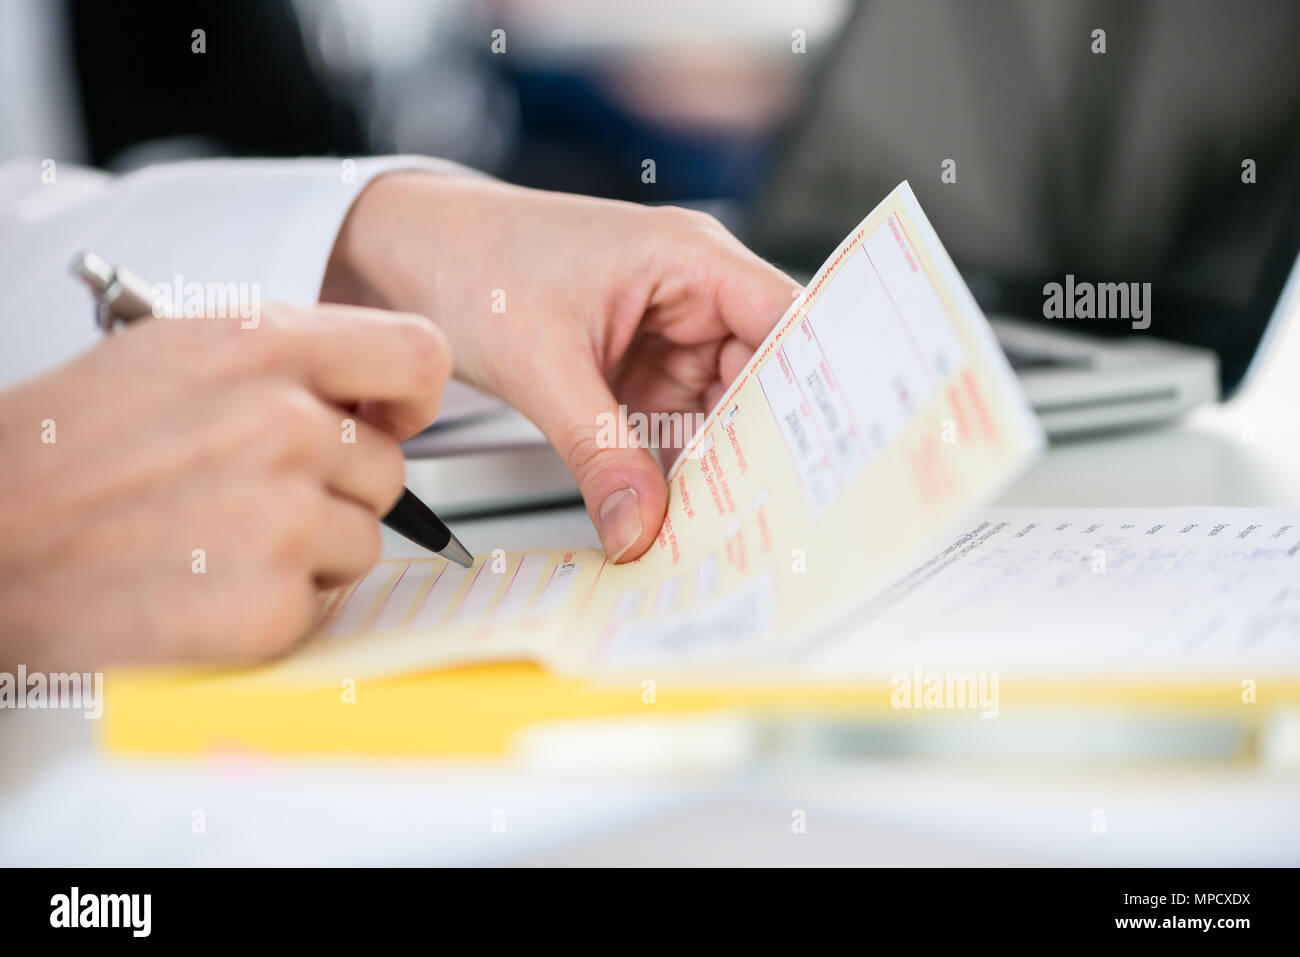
(457, 553)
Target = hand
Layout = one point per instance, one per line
(181, 491)
(656, 308)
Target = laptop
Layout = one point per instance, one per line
(1083, 169)
(1119, 182)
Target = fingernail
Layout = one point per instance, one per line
(619, 522)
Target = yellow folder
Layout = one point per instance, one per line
(478, 711)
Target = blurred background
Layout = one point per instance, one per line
(572, 94)
(789, 121)
(786, 120)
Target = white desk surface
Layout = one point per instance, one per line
(64, 802)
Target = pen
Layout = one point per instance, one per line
(122, 296)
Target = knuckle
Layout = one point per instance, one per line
(369, 543)
(427, 346)
(361, 539)
(696, 220)
(228, 346)
(278, 315)
(290, 520)
(291, 411)
(266, 346)
(392, 463)
(587, 458)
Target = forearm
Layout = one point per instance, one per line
(471, 253)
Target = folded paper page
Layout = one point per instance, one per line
(1090, 593)
(878, 413)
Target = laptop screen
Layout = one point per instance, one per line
(1113, 142)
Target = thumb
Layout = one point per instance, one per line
(620, 480)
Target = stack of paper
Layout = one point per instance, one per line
(825, 527)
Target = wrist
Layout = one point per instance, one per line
(368, 263)
(416, 241)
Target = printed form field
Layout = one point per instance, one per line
(875, 347)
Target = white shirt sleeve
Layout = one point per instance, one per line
(266, 222)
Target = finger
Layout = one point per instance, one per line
(732, 359)
(752, 293)
(395, 364)
(283, 426)
(347, 542)
(621, 482)
(364, 464)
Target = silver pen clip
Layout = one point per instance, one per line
(120, 295)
